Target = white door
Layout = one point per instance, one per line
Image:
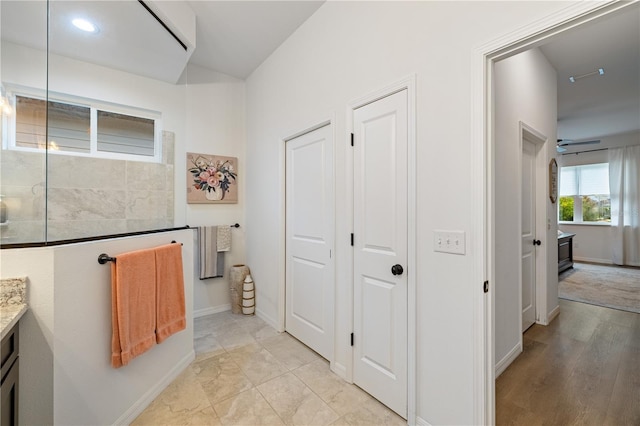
(309, 240)
(380, 242)
(528, 234)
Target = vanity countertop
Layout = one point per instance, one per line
(13, 302)
(9, 316)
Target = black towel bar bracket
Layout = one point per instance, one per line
(235, 225)
(104, 258)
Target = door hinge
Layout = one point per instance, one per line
(352, 139)
(486, 286)
(351, 339)
(352, 239)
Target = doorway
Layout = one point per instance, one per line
(488, 55)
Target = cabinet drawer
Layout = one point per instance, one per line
(8, 351)
(564, 250)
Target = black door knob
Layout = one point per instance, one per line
(537, 242)
(397, 270)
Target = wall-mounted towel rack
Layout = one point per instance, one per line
(104, 258)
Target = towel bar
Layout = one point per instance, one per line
(104, 258)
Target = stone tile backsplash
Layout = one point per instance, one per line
(86, 196)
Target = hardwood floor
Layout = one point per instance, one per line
(582, 369)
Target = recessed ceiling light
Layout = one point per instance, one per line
(84, 25)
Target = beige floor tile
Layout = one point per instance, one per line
(234, 337)
(220, 377)
(387, 416)
(207, 346)
(182, 402)
(247, 408)
(294, 402)
(257, 363)
(213, 324)
(363, 416)
(289, 351)
(341, 396)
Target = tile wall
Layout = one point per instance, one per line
(86, 196)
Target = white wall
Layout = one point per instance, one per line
(525, 91)
(347, 50)
(592, 243)
(65, 336)
(215, 125)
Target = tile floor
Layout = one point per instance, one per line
(245, 373)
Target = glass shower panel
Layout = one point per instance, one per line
(116, 175)
(23, 70)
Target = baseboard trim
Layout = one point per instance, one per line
(554, 313)
(339, 369)
(139, 406)
(211, 310)
(508, 359)
(422, 422)
(592, 260)
(266, 318)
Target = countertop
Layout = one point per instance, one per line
(9, 316)
(565, 235)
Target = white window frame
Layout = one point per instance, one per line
(577, 211)
(9, 126)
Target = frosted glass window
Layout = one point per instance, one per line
(85, 129)
(69, 125)
(125, 134)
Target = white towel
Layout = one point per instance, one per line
(211, 262)
(224, 238)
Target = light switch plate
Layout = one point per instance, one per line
(449, 241)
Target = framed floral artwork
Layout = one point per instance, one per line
(211, 179)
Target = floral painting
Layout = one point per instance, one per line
(211, 179)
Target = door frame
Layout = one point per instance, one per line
(408, 83)
(483, 176)
(539, 140)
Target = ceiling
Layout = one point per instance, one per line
(235, 37)
(598, 106)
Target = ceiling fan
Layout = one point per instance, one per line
(561, 143)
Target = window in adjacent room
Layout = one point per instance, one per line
(584, 194)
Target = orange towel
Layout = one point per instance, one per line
(133, 305)
(170, 307)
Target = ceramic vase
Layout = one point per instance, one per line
(237, 275)
(248, 296)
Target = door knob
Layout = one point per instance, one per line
(397, 270)
(537, 242)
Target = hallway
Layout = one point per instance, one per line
(581, 369)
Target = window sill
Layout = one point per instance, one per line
(585, 223)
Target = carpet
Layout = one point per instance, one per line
(603, 285)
